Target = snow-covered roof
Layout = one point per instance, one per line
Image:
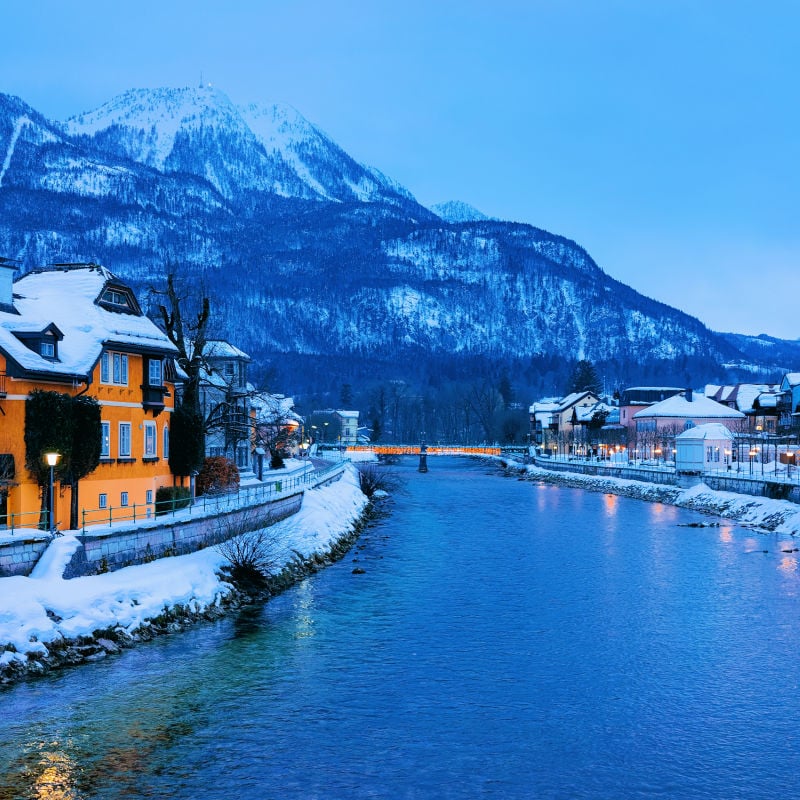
(791, 378)
(711, 430)
(219, 348)
(347, 414)
(67, 298)
(698, 407)
(272, 407)
(571, 400)
(743, 395)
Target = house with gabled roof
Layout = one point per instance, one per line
(225, 402)
(77, 329)
(789, 403)
(757, 401)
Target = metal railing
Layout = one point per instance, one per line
(10, 522)
(209, 503)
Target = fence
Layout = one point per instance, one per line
(12, 521)
(207, 504)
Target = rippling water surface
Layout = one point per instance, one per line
(507, 640)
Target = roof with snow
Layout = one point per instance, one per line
(572, 399)
(89, 306)
(699, 407)
(219, 348)
(711, 430)
(746, 397)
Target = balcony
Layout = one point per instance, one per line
(153, 398)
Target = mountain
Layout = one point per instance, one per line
(316, 264)
(457, 211)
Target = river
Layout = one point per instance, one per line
(507, 639)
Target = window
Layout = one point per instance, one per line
(165, 443)
(115, 298)
(148, 498)
(150, 440)
(154, 377)
(114, 368)
(105, 440)
(120, 369)
(123, 498)
(229, 370)
(47, 349)
(102, 501)
(124, 440)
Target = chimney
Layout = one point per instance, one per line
(7, 270)
(688, 395)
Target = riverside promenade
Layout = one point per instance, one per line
(112, 543)
(763, 481)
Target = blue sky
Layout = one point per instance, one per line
(661, 135)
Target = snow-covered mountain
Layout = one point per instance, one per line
(457, 211)
(200, 132)
(306, 251)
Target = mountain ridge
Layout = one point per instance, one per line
(308, 252)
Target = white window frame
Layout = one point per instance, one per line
(47, 349)
(148, 497)
(102, 500)
(150, 440)
(123, 499)
(105, 439)
(124, 444)
(155, 373)
(120, 372)
(114, 368)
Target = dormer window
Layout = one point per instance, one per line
(43, 342)
(116, 298)
(120, 299)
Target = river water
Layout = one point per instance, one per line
(506, 640)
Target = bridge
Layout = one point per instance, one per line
(430, 449)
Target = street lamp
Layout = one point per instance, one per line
(52, 460)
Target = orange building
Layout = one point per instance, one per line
(79, 330)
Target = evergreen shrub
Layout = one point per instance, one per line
(169, 498)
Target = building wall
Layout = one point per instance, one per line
(135, 474)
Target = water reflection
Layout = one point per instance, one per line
(551, 643)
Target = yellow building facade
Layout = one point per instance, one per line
(79, 330)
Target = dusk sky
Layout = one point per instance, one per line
(661, 135)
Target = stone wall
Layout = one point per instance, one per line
(602, 470)
(18, 557)
(112, 551)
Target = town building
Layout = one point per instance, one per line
(77, 329)
(225, 395)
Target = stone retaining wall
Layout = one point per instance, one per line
(109, 552)
(601, 470)
(19, 557)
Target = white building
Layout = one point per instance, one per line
(703, 448)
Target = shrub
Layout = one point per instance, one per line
(252, 557)
(170, 498)
(276, 462)
(217, 475)
(374, 477)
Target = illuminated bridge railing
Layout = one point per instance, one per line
(431, 449)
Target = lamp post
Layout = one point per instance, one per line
(52, 460)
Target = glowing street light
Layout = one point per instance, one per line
(52, 460)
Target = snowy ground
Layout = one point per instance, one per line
(779, 516)
(43, 608)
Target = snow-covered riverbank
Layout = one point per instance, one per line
(779, 516)
(46, 621)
